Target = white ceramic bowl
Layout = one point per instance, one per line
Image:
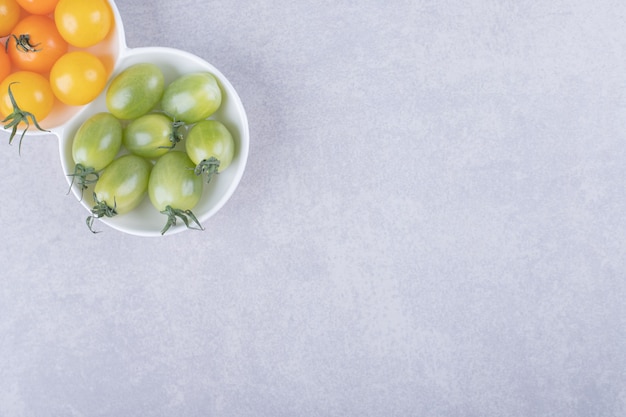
(145, 220)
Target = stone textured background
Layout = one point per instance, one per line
(432, 223)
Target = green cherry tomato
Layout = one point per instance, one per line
(174, 189)
(210, 146)
(192, 97)
(96, 143)
(152, 135)
(123, 183)
(121, 187)
(135, 91)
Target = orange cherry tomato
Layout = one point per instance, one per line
(77, 78)
(31, 92)
(83, 23)
(9, 16)
(38, 6)
(5, 64)
(36, 44)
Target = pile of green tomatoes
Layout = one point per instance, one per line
(130, 151)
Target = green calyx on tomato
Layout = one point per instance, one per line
(208, 167)
(184, 215)
(22, 43)
(85, 175)
(100, 209)
(18, 116)
(177, 134)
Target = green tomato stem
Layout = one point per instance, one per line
(100, 209)
(85, 176)
(22, 43)
(208, 167)
(184, 215)
(176, 135)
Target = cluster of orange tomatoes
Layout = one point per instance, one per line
(45, 54)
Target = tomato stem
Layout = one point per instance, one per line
(22, 43)
(184, 215)
(85, 176)
(100, 209)
(18, 116)
(208, 167)
(176, 135)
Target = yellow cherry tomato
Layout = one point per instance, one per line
(9, 16)
(77, 78)
(31, 91)
(83, 23)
